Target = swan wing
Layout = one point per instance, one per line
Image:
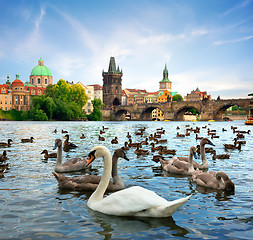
(135, 201)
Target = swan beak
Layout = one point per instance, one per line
(91, 158)
(55, 146)
(125, 157)
(211, 143)
(195, 155)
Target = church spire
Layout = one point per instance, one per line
(112, 65)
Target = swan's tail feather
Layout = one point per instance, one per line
(175, 205)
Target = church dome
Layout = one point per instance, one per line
(41, 70)
(17, 82)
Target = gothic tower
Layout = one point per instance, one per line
(165, 83)
(112, 87)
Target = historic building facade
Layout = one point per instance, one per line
(197, 95)
(112, 85)
(89, 90)
(41, 75)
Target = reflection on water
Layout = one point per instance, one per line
(33, 207)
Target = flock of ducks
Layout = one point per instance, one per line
(136, 201)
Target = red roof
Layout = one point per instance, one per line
(17, 82)
(6, 86)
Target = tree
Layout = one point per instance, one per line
(96, 115)
(177, 98)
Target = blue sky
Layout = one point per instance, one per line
(205, 43)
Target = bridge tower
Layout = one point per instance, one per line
(112, 85)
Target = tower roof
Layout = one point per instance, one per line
(112, 66)
(165, 75)
(41, 70)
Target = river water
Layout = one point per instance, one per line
(33, 207)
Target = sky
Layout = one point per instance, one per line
(205, 44)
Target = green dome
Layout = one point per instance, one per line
(41, 70)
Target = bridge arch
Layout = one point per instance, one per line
(147, 113)
(217, 114)
(122, 115)
(179, 114)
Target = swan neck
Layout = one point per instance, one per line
(190, 163)
(203, 155)
(103, 184)
(59, 156)
(114, 166)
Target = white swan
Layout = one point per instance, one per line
(133, 201)
(174, 165)
(74, 164)
(90, 182)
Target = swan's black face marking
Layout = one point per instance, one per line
(91, 157)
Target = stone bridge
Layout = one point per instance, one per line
(208, 109)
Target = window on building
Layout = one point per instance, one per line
(21, 100)
(32, 80)
(16, 99)
(38, 80)
(45, 81)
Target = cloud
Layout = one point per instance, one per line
(233, 40)
(236, 7)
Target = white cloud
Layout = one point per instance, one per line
(237, 6)
(233, 40)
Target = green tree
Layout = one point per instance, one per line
(177, 98)
(96, 115)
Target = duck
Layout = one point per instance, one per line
(134, 201)
(125, 148)
(26, 140)
(160, 141)
(216, 180)
(82, 136)
(165, 151)
(180, 135)
(139, 151)
(68, 145)
(115, 141)
(145, 142)
(220, 156)
(101, 138)
(105, 128)
(74, 164)
(131, 144)
(8, 144)
(89, 183)
(64, 131)
(153, 148)
(55, 131)
(203, 142)
(101, 132)
(128, 135)
(233, 146)
(3, 157)
(177, 166)
(49, 155)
